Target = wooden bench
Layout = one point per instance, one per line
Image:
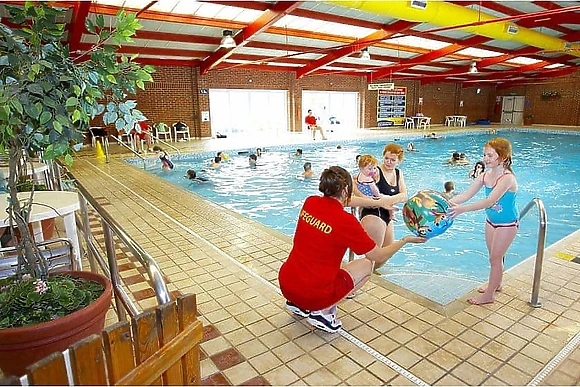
(160, 346)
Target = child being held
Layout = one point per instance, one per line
(166, 162)
(367, 176)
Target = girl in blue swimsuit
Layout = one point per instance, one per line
(500, 208)
(366, 178)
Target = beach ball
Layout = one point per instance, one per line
(425, 214)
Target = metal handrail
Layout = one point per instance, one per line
(119, 141)
(165, 143)
(543, 217)
(110, 228)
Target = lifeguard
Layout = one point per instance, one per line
(310, 121)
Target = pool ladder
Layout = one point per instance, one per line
(543, 223)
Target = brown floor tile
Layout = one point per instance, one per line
(134, 279)
(217, 379)
(227, 359)
(209, 332)
(256, 381)
(141, 295)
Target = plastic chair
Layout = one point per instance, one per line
(161, 129)
(424, 122)
(449, 120)
(58, 253)
(409, 123)
(97, 133)
(125, 138)
(183, 130)
(461, 121)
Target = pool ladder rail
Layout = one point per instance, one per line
(543, 223)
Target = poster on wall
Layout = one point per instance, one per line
(391, 106)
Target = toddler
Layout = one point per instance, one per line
(367, 176)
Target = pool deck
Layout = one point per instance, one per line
(389, 336)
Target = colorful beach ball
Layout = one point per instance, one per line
(425, 214)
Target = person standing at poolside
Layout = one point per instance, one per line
(378, 222)
(502, 220)
(313, 126)
(312, 279)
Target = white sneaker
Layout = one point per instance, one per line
(326, 322)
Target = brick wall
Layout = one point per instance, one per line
(174, 95)
(560, 111)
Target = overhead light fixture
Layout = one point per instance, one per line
(228, 40)
(473, 69)
(364, 54)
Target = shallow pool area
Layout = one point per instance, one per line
(546, 164)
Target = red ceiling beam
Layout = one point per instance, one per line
(428, 57)
(168, 62)
(80, 12)
(358, 45)
(269, 17)
(169, 17)
(503, 83)
(525, 16)
(152, 51)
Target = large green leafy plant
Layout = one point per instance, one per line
(48, 96)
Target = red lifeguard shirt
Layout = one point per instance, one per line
(310, 120)
(311, 277)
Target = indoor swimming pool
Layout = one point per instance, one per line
(547, 166)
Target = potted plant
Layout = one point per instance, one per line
(528, 119)
(48, 96)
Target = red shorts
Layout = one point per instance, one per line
(141, 135)
(312, 300)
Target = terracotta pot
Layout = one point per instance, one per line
(47, 225)
(21, 347)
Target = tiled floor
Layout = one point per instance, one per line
(231, 263)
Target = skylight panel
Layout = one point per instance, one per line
(414, 41)
(208, 10)
(478, 52)
(554, 66)
(118, 3)
(523, 60)
(185, 8)
(164, 6)
(138, 4)
(320, 26)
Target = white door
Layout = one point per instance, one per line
(512, 110)
(507, 109)
(518, 113)
(235, 111)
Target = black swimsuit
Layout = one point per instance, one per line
(386, 189)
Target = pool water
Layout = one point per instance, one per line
(547, 166)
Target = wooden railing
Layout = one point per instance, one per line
(160, 346)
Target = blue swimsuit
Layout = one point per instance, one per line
(504, 213)
(364, 188)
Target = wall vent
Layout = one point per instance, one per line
(419, 4)
(512, 29)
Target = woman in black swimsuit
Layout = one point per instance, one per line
(378, 221)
